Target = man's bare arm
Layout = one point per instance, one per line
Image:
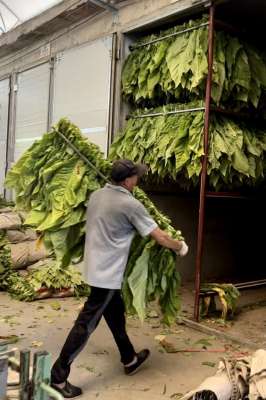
(165, 240)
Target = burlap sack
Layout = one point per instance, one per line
(26, 253)
(23, 215)
(6, 210)
(10, 220)
(17, 236)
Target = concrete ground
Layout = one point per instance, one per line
(43, 325)
(249, 322)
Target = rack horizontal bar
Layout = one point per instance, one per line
(239, 286)
(188, 110)
(231, 195)
(137, 46)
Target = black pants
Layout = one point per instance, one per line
(101, 302)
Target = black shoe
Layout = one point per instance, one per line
(68, 391)
(141, 357)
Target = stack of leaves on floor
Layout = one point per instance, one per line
(172, 146)
(228, 295)
(175, 68)
(48, 280)
(5, 260)
(53, 185)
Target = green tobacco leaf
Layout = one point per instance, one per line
(55, 305)
(208, 364)
(176, 396)
(203, 342)
(137, 282)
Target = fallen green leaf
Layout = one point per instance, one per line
(55, 305)
(209, 364)
(10, 338)
(36, 343)
(176, 396)
(202, 342)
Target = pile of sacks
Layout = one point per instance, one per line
(25, 246)
(27, 270)
(21, 249)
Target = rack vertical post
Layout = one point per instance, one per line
(203, 178)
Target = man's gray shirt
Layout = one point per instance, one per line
(113, 217)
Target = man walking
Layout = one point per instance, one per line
(113, 218)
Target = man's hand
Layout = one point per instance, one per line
(183, 250)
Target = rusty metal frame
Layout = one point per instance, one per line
(203, 178)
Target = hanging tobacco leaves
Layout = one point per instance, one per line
(53, 185)
(172, 146)
(175, 69)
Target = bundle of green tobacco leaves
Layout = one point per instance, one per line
(175, 69)
(172, 146)
(228, 296)
(53, 184)
(5, 259)
(48, 281)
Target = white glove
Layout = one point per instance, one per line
(184, 249)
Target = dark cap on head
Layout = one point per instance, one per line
(123, 169)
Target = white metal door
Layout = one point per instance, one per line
(4, 101)
(31, 107)
(82, 88)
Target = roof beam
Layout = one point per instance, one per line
(103, 4)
